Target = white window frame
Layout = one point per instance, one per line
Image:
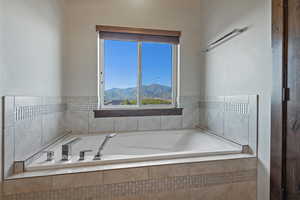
(101, 81)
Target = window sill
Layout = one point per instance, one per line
(137, 112)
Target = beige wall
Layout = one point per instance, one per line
(242, 65)
(32, 42)
(80, 67)
(30, 48)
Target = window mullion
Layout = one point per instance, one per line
(101, 78)
(139, 88)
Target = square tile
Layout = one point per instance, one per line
(78, 100)
(28, 101)
(149, 123)
(215, 119)
(190, 117)
(9, 151)
(78, 104)
(126, 124)
(253, 120)
(27, 185)
(125, 175)
(171, 122)
(100, 125)
(176, 195)
(77, 121)
(77, 180)
(53, 127)
(28, 138)
(219, 192)
(223, 166)
(9, 111)
(236, 127)
(52, 100)
(244, 190)
(169, 170)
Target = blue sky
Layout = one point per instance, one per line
(120, 62)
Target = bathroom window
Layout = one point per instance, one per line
(137, 70)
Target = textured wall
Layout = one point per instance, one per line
(80, 65)
(241, 65)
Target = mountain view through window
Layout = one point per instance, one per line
(121, 77)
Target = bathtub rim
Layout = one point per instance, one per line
(30, 166)
(100, 168)
(136, 163)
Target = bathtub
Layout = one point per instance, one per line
(136, 147)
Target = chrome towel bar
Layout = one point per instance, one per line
(225, 38)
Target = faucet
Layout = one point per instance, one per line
(50, 155)
(66, 149)
(107, 138)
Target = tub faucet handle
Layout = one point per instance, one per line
(50, 155)
(66, 149)
(106, 139)
(82, 154)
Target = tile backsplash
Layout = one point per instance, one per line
(231, 117)
(80, 118)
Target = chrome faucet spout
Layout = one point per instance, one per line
(103, 144)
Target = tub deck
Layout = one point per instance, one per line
(136, 147)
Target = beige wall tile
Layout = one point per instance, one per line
(77, 180)
(27, 185)
(1, 188)
(169, 170)
(137, 197)
(178, 195)
(125, 175)
(219, 192)
(223, 166)
(244, 191)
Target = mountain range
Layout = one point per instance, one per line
(153, 91)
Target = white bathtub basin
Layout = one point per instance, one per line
(138, 146)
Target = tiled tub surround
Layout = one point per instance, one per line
(229, 179)
(232, 117)
(30, 123)
(138, 147)
(80, 118)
